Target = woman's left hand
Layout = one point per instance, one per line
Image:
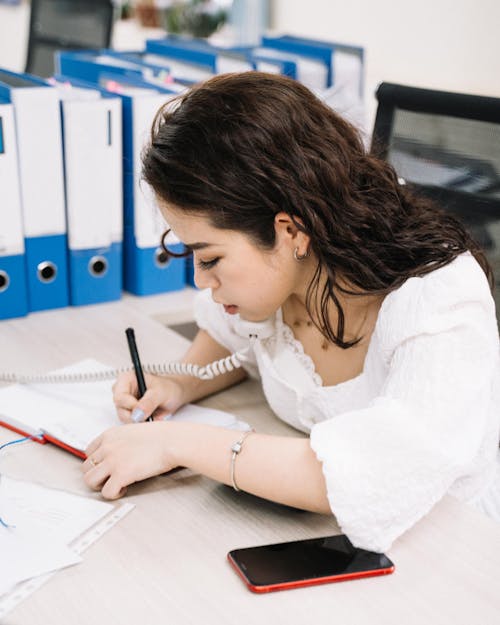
(126, 454)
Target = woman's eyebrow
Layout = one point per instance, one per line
(198, 246)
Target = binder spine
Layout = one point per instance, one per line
(13, 288)
(147, 269)
(184, 53)
(13, 292)
(86, 66)
(47, 273)
(95, 275)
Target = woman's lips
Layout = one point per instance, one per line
(231, 310)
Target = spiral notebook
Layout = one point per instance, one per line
(71, 415)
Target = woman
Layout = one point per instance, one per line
(376, 329)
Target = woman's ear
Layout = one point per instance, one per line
(288, 233)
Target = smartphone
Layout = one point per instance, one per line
(305, 563)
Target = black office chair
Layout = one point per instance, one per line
(447, 146)
(66, 24)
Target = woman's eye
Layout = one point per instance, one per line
(207, 264)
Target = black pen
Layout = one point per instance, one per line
(139, 374)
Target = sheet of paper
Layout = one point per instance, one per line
(43, 523)
(78, 413)
(37, 510)
(24, 557)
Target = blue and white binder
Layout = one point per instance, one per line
(153, 68)
(92, 136)
(13, 290)
(217, 59)
(195, 59)
(39, 144)
(268, 63)
(167, 71)
(91, 65)
(335, 72)
(147, 270)
(344, 63)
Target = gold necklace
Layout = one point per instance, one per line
(325, 343)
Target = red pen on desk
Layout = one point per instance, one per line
(134, 354)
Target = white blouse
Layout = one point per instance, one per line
(420, 421)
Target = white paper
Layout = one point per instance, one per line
(77, 413)
(43, 522)
(53, 513)
(25, 556)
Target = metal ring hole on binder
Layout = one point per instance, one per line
(98, 266)
(4, 281)
(161, 258)
(46, 272)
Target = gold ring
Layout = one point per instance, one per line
(93, 462)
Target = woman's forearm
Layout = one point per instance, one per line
(282, 469)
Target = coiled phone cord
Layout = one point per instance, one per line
(202, 372)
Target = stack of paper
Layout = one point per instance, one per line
(43, 523)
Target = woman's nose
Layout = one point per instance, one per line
(204, 279)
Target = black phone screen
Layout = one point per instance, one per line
(329, 556)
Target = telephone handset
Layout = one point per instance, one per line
(247, 329)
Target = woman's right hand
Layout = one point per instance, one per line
(164, 395)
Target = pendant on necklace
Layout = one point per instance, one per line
(298, 323)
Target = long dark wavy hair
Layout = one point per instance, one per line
(240, 148)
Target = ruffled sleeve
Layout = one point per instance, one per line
(386, 465)
(223, 328)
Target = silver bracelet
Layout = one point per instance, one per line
(236, 448)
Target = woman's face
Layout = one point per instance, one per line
(242, 277)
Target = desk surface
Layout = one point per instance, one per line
(165, 562)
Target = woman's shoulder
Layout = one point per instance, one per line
(456, 294)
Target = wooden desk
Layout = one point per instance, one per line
(165, 562)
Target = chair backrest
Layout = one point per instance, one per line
(66, 24)
(447, 145)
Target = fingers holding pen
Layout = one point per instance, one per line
(162, 398)
(126, 402)
(131, 410)
(123, 455)
(146, 406)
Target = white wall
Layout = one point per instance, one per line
(443, 44)
(14, 23)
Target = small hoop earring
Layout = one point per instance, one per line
(298, 256)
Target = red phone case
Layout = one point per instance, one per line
(306, 582)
